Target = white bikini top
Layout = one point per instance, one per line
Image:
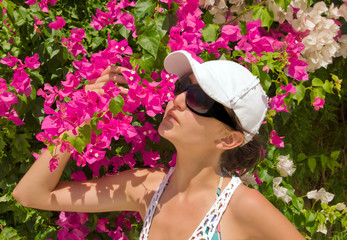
(207, 226)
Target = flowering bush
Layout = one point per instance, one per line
(50, 49)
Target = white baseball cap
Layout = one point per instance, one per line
(228, 83)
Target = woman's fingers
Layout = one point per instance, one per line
(111, 73)
(117, 78)
(123, 90)
(97, 87)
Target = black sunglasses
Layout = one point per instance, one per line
(200, 103)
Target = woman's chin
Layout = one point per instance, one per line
(166, 131)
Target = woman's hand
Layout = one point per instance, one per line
(111, 73)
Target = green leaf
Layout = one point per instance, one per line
(51, 148)
(300, 93)
(310, 216)
(328, 86)
(312, 164)
(317, 92)
(86, 132)
(144, 8)
(94, 124)
(301, 157)
(210, 32)
(324, 159)
(265, 15)
(317, 82)
(334, 155)
(116, 105)
(298, 203)
(147, 62)
(283, 4)
(148, 36)
(96, 41)
(8, 233)
(78, 143)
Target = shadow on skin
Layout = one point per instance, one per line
(140, 184)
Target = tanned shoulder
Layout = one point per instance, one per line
(262, 219)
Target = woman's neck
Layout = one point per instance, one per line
(195, 171)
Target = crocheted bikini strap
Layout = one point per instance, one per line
(152, 206)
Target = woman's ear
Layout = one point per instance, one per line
(233, 139)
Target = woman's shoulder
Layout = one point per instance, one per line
(246, 200)
(256, 213)
(148, 176)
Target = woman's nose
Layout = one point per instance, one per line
(180, 100)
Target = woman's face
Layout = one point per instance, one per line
(181, 126)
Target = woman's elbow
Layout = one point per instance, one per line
(23, 198)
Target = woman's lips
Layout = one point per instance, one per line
(171, 117)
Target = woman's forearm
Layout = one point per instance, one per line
(38, 183)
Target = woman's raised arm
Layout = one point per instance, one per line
(130, 190)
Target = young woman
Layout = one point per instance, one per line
(217, 110)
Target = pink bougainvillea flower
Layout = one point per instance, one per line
(32, 62)
(31, 2)
(117, 234)
(127, 20)
(148, 130)
(74, 221)
(132, 78)
(6, 100)
(289, 88)
(73, 43)
(276, 140)
(43, 4)
(129, 159)
(58, 24)
(13, 116)
(10, 60)
(100, 226)
(172, 163)
(93, 155)
(123, 219)
(38, 22)
(259, 182)
(101, 20)
(69, 85)
(78, 176)
(168, 2)
(150, 158)
(266, 69)
(318, 103)
(296, 69)
(21, 81)
(231, 33)
(117, 162)
(53, 164)
(277, 103)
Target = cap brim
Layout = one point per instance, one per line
(179, 63)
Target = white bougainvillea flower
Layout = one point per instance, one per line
(285, 166)
(248, 179)
(299, 4)
(343, 45)
(322, 195)
(279, 191)
(333, 12)
(340, 206)
(343, 11)
(322, 228)
(320, 44)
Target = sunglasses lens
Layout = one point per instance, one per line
(197, 100)
(181, 85)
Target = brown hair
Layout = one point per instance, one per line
(242, 158)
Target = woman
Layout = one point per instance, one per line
(218, 108)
